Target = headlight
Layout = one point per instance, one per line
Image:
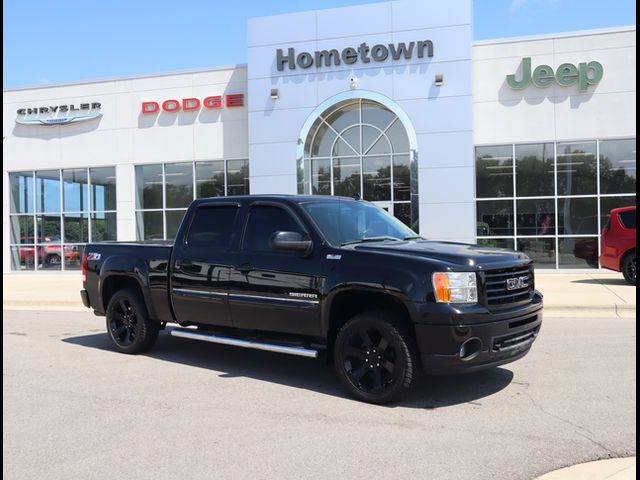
(455, 287)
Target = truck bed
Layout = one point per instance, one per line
(147, 262)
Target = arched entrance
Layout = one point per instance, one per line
(360, 144)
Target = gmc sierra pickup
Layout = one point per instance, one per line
(319, 276)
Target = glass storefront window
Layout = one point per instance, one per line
(210, 179)
(577, 216)
(494, 171)
(21, 186)
(346, 176)
(580, 252)
(149, 186)
(73, 257)
(401, 178)
(49, 236)
(48, 191)
(237, 177)
(103, 227)
(149, 226)
(577, 204)
(534, 170)
(164, 191)
(618, 166)
(21, 229)
(360, 148)
(497, 243)
(76, 228)
(173, 218)
(576, 168)
(178, 184)
(76, 190)
(536, 217)
(48, 229)
(321, 176)
(103, 188)
(22, 257)
(494, 218)
(541, 250)
(376, 176)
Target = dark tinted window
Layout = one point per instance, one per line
(628, 219)
(212, 226)
(263, 222)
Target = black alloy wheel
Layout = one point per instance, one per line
(128, 324)
(629, 268)
(123, 322)
(53, 260)
(374, 357)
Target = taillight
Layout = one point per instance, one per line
(85, 266)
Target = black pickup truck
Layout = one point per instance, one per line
(319, 276)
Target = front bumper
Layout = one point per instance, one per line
(487, 344)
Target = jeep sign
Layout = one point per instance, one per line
(567, 74)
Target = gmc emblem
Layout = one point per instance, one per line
(517, 283)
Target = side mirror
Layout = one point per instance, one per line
(290, 241)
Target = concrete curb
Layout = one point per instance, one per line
(610, 469)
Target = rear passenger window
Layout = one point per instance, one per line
(264, 221)
(628, 219)
(212, 226)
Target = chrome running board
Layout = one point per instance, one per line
(270, 347)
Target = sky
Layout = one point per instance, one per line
(50, 42)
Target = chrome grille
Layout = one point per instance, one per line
(504, 287)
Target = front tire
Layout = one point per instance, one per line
(628, 268)
(375, 357)
(128, 323)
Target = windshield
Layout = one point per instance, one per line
(354, 222)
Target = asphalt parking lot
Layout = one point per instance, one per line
(74, 408)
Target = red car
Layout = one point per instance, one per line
(619, 243)
(49, 255)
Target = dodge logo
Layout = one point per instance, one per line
(517, 283)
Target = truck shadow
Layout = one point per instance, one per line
(432, 392)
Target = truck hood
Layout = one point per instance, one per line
(460, 254)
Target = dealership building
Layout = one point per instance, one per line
(524, 143)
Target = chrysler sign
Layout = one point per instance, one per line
(58, 114)
(351, 55)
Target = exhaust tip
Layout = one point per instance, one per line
(470, 349)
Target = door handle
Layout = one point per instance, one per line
(244, 268)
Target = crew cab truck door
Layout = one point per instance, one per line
(272, 289)
(200, 265)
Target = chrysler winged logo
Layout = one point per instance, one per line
(58, 120)
(517, 283)
(59, 114)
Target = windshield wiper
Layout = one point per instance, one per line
(370, 239)
(413, 237)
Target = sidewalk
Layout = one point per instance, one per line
(575, 294)
(612, 469)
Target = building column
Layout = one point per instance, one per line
(125, 203)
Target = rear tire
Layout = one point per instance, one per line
(375, 357)
(628, 268)
(128, 323)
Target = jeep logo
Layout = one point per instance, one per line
(567, 74)
(517, 283)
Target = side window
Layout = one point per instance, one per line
(212, 227)
(263, 222)
(628, 219)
